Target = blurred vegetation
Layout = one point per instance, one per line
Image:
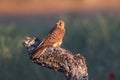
(94, 36)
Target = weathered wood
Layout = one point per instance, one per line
(71, 64)
(48, 53)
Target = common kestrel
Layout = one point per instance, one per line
(53, 39)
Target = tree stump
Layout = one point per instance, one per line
(72, 65)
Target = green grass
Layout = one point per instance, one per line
(94, 36)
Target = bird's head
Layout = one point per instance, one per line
(60, 24)
(31, 43)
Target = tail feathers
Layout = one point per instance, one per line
(38, 52)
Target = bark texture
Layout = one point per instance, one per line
(59, 59)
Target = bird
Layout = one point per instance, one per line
(53, 39)
(55, 36)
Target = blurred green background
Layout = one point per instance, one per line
(95, 36)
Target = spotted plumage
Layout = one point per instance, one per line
(53, 39)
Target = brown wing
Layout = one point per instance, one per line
(56, 35)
